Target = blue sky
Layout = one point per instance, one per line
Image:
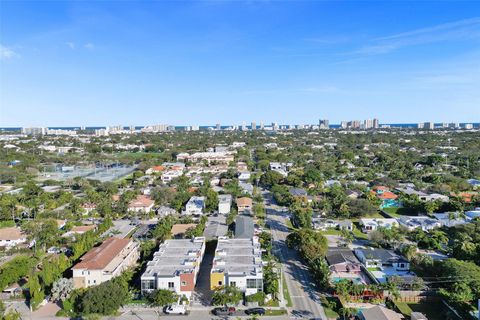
(179, 62)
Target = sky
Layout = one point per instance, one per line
(92, 63)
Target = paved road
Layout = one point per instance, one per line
(305, 300)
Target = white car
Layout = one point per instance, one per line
(175, 309)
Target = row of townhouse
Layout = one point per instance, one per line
(174, 266)
(238, 262)
(220, 157)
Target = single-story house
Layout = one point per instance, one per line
(372, 224)
(379, 313)
(382, 258)
(11, 237)
(141, 204)
(421, 222)
(244, 204)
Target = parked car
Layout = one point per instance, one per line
(175, 309)
(224, 311)
(255, 311)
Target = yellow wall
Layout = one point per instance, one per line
(215, 278)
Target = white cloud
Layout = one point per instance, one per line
(89, 46)
(71, 45)
(7, 53)
(467, 29)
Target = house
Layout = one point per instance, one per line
(224, 203)
(11, 237)
(164, 211)
(154, 169)
(238, 262)
(169, 175)
(298, 192)
(141, 204)
(105, 262)
(324, 224)
(247, 188)
(379, 313)
(174, 266)
(195, 206)
(388, 198)
(342, 260)
(449, 219)
(242, 167)
(281, 167)
(61, 223)
(89, 207)
(372, 224)
(353, 194)
(244, 227)
(244, 176)
(244, 204)
(473, 214)
(420, 222)
(382, 258)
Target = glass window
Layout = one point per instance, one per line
(184, 283)
(171, 285)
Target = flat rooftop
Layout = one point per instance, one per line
(238, 256)
(174, 257)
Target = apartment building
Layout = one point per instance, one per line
(105, 262)
(238, 262)
(174, 266)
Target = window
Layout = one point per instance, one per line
(184, 283)
(220, 283)
(233, 284)
(255, 284)
(94, 281)
(171, 285)
(148, 284)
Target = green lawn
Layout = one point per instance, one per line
(286, 294)
(358, 233)
(331, 232)
(434, 310)
(276, 312)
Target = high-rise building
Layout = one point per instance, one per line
(218, 127)
(429, 125)
(262, 126)
(253, 126)
(420, 125)
(368, 124)
(323, 124)
(34, 131)
(376, 123)
(468, 126)
(274, 126)
(343, 124)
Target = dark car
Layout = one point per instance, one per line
(224, 311)
(255, 311)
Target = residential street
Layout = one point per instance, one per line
(306, 303)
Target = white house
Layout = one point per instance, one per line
(11, 237)
(369, 225)
(224, 203)
(195, 206)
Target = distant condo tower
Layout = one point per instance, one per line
(323, 124)
(253, 126)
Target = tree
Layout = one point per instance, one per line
(211, 201)
(36, 292)
(271, 178)
(271, 279)
(226, 295)
(106, 298)
(162, 297)
(163, 195)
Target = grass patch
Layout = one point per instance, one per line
(373, 269)
(276, 312)
(358, 234)
(403, 308)
(330, 313)
(272, 303)
(434, 310)
(289, 224)
(331, 232)
(286, 294)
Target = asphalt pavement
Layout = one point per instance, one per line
(304, 295)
